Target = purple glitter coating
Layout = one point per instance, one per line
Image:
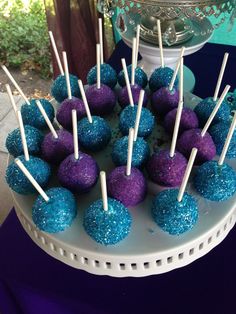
(129, 190)
(164, 100)
(193, 138)
(123, 97)
(54, 150)
(101, 101)
(189, 120)
(80, 175)
(167, 171)
(64, 112)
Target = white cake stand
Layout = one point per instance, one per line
(147, 250)
(151, 54)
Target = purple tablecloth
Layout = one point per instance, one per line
(32, 282)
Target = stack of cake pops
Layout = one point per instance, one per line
(88, 115)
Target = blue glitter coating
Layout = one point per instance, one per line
(19, 183)
(205, 107)
(219, 134)
(108, 75)
(214, 182)
(31, 115)
(107, 227)
(58, 213)
(34, 140)
(59, 88)
(141, 152)
(94, 136)
(128, 117)
(172, 216)
(140, 77)
(231, 100)
(161, 77)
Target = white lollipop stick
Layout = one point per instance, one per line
(160, 43)
(133, 61)
(101, 39)
(8, 88)
(222, 70)
(181, 80)
(176, 129)
(227, 141)
(104, 190)
(138, 114)
(187, 174)
(56, 53)
(15, 84)
(137, 44)
(131, 100)
(98, 50)
(22, 134)
(176, 69)
(75, 134)
(31, 179)
(81, 87)
(218, 104)
(67, 75)
(130, 151)
(49, 123)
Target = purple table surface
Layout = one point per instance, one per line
(32, 282)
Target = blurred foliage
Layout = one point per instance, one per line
(24, 39)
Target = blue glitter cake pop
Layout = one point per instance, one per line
(18, 182)
(108, 75)
(107, 227)
(139, 79)
(161, 77)
(141, 152)
(94, 136)
(219, 133)
(58, 213)
(34, 140)
(59, 88)
(205, 107)
(231, 100)
(215, 182)
(173, 216)
(128, 117)
(32, 116)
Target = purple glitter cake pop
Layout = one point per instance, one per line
(54, 150)
(189, 120)
(204, 144)
(164, 100)
(166, 170)
(78, 175)
(129, 190)
(64, 112)
(101, 100)
(123, 97)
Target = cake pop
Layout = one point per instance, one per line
(216, 181)
(219, 133)
(108, 74)
(59, 87)
(206, 106)
(175, 211)
(79, 171)
(231, 100)
(94, 132)
(107, 221)
(189, 120)
(70, 103)
(127, 184)
(167, 97)
(123, 97)
(40, 169)
(101, 98)
(201, 139)
(56, 145)
(161, 77)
